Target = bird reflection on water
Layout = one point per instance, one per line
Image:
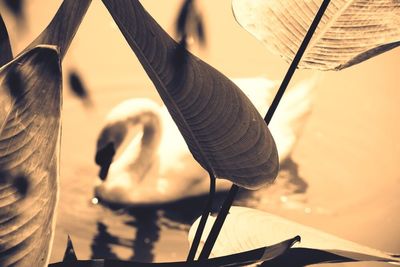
(146, 223)
(147, 233)
(100, 245)
(133, 233)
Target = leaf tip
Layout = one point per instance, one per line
(69, 254)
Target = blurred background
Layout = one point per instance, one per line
(344, 167)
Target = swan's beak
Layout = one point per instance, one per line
(104, 158)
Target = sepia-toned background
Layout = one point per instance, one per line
(348, 154)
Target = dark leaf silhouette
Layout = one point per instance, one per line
(69, 255)
(77, 86)
(189, 23)
(223, 130)
(5, 47)
(200, 31)
(183, 17)
(299, 257)
(29, 140)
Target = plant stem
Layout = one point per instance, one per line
(203, 220)
(216, 228)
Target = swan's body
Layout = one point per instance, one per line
(157, 167)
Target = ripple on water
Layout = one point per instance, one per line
(151, 233)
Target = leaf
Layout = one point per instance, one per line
(221, 127)
(240, 259)
(299, 257)
(246, 229)
(349, 32)
(5, 47)
(69, 254)
(30, 104)
(63, 26)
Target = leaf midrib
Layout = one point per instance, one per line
(326, 27)
(156, 76)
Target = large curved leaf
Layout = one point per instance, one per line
(30, 103)
(350, 31)
(62, 28)
(246, 229)
(223, 130)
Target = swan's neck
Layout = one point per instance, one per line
(141, 152)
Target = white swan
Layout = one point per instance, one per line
(157, 167)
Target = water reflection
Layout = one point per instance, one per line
(147, 223)
(287, 192)
(147, 227)
(145, 234)
(300, 185)
(100, 245)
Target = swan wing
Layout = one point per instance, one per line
(259, 90)
(291, 114)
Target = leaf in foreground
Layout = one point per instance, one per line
(63, 27)
(221, 127)
(246, 229)
(69, 254)
(30, 104)
(240, 259)
(349, 32)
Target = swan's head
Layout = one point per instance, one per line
(108, 142)
(137, 159)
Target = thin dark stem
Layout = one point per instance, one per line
(216, 228)
(203, 220)
(296, 60)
